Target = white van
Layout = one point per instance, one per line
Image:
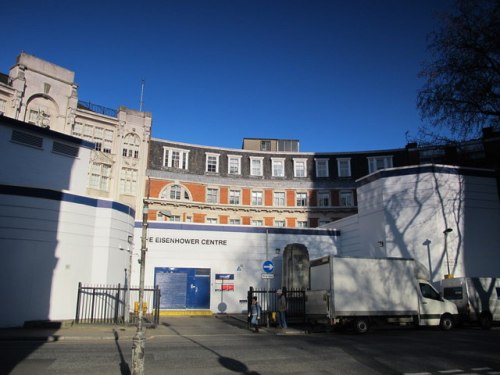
(477, 298)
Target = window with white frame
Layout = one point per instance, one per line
(161, 217)
(321, 167)
(212, 163)
(323, 198)
(344, 167)
(234, 196)
(235, 221)
(300, 167)
(301, 224)
(211, 220)
(257, 223)
(131, 145)
(301, 199)
(234, 164)
(257, 198)
(77, 130)
(128, 181)
(279, 223)
(346, 198)
(256, 166)
(278, 167)
(379, 162)
(175, 192)
(100, 175)
(212, 195)
(279, 198)
(175, 158)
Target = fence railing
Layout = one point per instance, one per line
(268, 300)
(115, 304)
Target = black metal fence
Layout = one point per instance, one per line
(107, 304)
(268, 300)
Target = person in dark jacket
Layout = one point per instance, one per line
(282, 307)
(254, 314)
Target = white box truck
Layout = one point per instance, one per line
(477, 299)
(359, 292)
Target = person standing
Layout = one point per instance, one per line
(282, 308)
(254, 314)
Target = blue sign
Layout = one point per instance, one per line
(268, 266)
(224, 276)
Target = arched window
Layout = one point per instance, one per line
(175, 192)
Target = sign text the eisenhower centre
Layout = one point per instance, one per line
(188, 241)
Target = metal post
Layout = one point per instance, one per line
(139, 339)
(446, 231)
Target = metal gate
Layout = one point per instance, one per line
(115, 304)
(268, 300)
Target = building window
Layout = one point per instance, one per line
(323, 199)
(379, 162)
(2, 105)
(131, 145)
(278, 167)
(211, 220)
(100, 175)
(77, 130)
(161, 217)
(323, 222)
(322, 168)
(175, 192)
(301, 224)
(346, 199)
(234, 197)
(344, 167)
(128, 181)
(299, 167)
(301, 199)
(175, 158)
(256, 166)
(257, 223)
(279, 198)
(256, 198)
(265, 145)
(234, 164)
(212, 163)
(212, 195)
(234, 221)
(279, 223)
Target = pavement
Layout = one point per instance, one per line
(53, 331)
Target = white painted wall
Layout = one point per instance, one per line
(242, 254)
(409, 209)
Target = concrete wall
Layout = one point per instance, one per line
(403, 212)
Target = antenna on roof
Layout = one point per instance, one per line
(142, 95)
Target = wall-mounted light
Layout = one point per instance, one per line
(380, 243)
(277, 251)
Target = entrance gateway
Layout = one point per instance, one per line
(183, 288)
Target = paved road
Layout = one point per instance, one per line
(208, 345)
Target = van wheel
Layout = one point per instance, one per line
(485, 321)
(446, 323)
(361, 325)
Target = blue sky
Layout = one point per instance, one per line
(336, 75)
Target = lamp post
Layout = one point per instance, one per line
(129, 275)
(445, 232)
(138, 340)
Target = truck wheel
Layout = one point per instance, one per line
(361, 325)
(485, 321)
(446, 322)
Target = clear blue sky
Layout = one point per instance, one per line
(336, 75)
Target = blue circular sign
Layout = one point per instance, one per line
(268, 266)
